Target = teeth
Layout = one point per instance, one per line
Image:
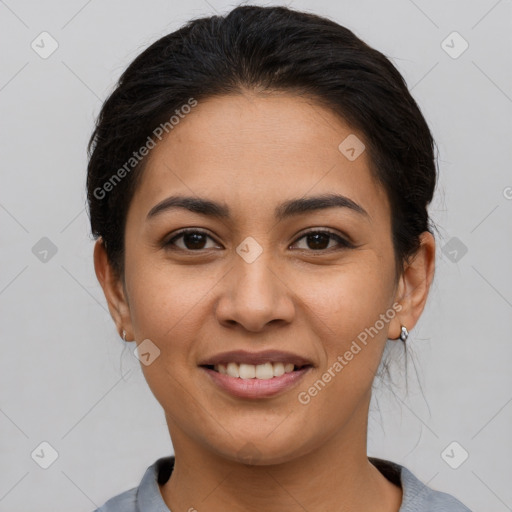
(233, 370)
(264, 371)
(247, 371)
(278, 369)
(250, 371)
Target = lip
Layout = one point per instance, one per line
(265, 356)
(256, 388)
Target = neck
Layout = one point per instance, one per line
(333, 477)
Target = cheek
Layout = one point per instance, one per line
(345, 313)
(165, 303)
(171, 304)
(164, 297)
(174, 307)
(348, 298)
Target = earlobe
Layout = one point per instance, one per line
(112, 287)
(414, 286)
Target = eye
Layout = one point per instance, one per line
(319, 240)
(196, 240)
(192, 240)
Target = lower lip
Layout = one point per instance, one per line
(256, 388)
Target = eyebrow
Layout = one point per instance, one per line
(287, 209)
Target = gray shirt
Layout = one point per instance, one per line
(417, 497)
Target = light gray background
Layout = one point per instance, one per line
(65, 377)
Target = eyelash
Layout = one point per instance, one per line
(345, 244)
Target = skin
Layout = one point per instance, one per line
(251, 152)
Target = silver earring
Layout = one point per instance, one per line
(124, 335)
(404, 334)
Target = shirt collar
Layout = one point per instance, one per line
(149, 498)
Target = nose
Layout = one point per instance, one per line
(253, 295)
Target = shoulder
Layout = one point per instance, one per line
(146, 496)
(125, 502)
(421, 498)
(417, 497)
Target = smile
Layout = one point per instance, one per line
(263, 371)
(255, 381)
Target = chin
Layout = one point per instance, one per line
(261, 452)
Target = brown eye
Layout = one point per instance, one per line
(192, 240)
(319, 240)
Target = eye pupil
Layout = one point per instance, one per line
(193, 240)
(319, 240)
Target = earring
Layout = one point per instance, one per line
(404, 334)
(124, 335)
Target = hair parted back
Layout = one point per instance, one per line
(266, 49)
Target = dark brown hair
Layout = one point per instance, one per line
(269, 49)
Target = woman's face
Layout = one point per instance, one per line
(253, 280)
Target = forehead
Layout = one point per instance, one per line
(255, 150)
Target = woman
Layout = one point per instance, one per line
(258, 186)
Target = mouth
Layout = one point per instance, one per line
(251, 375)
(265, 371)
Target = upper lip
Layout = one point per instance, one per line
(255, 358)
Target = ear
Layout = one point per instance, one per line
(414, 285)
(113, 289)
